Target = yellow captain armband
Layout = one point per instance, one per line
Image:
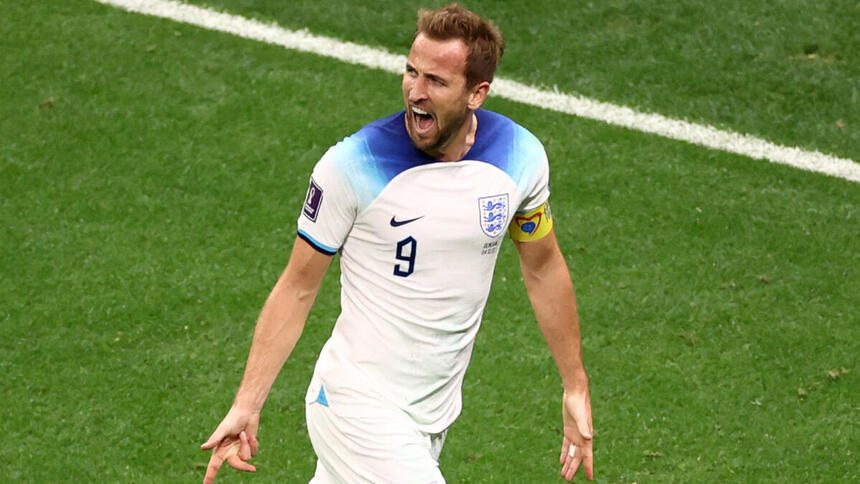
(532, 225)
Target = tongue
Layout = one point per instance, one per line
(424, 122)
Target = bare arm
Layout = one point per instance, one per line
(550, 291)
(278, 329)
(281, 323)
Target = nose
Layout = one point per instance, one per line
(417, 89)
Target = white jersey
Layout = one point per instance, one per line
(419, 240)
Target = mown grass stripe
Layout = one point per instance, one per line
(708, 136)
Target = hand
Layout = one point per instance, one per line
(576, 448)
(235, 440)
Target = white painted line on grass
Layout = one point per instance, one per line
(374, 58)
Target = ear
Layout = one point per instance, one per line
(478, 94)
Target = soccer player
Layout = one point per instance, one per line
(416, 204)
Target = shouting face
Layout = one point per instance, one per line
(439, 105)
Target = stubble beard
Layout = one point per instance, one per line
(436, 146)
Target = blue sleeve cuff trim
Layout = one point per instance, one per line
(316, 245)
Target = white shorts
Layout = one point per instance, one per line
(381, 445)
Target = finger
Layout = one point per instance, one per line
(565, 444)
(577, 456)
(255, 444)
(236, 462)
(251, 430)
(213, 439)
(212, 469)
(565, 468)
(567, 461)
(588, 460)
(572, 465)
(244, 446)
(569, 469)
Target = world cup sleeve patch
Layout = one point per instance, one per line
(313, 201)
(533, 225)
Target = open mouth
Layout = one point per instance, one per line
(423, 119)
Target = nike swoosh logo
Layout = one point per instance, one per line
(398, 223)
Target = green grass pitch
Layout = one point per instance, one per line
(151, 174)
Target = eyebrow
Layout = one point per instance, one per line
(432, 77)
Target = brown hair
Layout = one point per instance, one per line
(484, 40)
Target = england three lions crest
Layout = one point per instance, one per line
(493, 211)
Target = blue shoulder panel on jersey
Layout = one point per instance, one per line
(391, 147)
(374, 155)
(508, 146)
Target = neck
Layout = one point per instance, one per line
(462, 143)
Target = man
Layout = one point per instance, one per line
(417, 204)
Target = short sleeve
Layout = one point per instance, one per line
(329, 209)
(536, 183)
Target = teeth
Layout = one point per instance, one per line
(419, 111)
